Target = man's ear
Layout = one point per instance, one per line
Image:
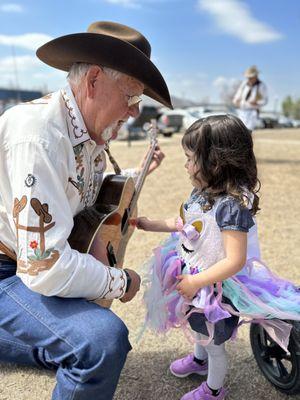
(93, 75)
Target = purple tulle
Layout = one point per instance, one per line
(255, 292)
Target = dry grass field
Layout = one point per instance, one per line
(146, 375)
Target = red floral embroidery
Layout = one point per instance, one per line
(33, 244)
(98, 159)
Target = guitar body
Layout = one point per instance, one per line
(116, 192)
(106, 223)
(103, 230)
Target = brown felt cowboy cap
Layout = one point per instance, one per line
(112, 45)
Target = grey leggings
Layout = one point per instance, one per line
(217, 361)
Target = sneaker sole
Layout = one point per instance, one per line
(188, 374)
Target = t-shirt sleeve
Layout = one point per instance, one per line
(230, 215)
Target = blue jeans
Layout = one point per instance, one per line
(87, 345)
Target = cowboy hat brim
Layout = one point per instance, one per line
(107, 51)
(251, 75)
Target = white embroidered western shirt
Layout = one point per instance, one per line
(50, 170)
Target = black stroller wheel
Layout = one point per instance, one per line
(280, 368)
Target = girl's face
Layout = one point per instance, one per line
(193, 169)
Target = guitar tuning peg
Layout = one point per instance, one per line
(153, 122)
(147, 126)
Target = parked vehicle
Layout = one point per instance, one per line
(177, 120)
(296, 123)
(268, 122)
(133, 129)
(285, 122)
(146, 114)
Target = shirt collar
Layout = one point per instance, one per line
(76, 127)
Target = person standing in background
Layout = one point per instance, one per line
(250, 97)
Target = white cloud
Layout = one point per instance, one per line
(22, 63)
(226, 88)
(29, 41)
(125, 3)
(234, 17)
(11, 7)
(189, 86)
(221, 82)
(28, 72)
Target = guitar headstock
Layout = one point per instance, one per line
(151, 129)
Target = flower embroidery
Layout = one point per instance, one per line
(42, 259)
(33, 244)
(79, 169)
(38, 254)
(80, 183)
(78, 156)
(97, 160)
(79, 161)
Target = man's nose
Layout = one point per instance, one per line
(134, 110)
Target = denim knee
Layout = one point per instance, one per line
(103, 346)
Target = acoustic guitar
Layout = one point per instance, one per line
(103, 230)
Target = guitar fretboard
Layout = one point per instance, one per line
(142, 175)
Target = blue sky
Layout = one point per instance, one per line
(200, 46)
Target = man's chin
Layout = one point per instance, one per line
(108, 133)
(117, 129)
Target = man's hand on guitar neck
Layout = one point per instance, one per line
(157, 158)
(134, 286)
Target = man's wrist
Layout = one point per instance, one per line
(128, 281)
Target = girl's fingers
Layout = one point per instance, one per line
(133, 221)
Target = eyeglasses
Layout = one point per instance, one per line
(133, 100)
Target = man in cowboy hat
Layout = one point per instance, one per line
(250, 97)
(52, 163)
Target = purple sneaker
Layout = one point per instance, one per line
(203, 393)
(186, 366)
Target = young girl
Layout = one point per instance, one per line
(209, 273)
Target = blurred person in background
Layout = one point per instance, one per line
(250, 97)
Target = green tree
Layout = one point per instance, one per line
(287, 106)
(296, 111)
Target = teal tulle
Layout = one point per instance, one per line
(255, 292)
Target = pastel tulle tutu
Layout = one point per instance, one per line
(255, 292)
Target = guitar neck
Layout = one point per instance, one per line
(142, 175)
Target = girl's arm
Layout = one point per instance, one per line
(235, 245)
(167, 225)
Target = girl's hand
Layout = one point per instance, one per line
(141, 223)
(187, 286)
(154, 225)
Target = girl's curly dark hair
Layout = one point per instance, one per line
(223, 149)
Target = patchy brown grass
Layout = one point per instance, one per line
(146, 375)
